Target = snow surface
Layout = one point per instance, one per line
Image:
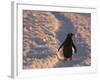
(45, 31)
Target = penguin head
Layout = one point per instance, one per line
(70, 35)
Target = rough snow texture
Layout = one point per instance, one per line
(43, 32)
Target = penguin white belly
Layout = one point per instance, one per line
(73, 50)
(59, 56)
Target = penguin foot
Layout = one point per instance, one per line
(68, 59)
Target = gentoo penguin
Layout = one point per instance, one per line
(68, 47)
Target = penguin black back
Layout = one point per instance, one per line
(67, 46)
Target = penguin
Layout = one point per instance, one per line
(68, 47)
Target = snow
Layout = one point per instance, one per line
(45, 31)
